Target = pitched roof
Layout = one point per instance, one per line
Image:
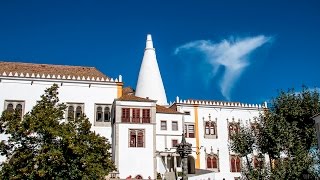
(134, 98)
(127, 91)
(170, 110)
(49, 69)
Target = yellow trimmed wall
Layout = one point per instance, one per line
(197, 136)
(119, 89)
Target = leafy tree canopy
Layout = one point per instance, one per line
(286, 134)
(44, 145)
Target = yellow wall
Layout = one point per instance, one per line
(197, 136)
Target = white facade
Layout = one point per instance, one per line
(143, 144)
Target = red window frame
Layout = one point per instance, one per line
(146, 116)
(125, 115)
(135, 115)
(136, 138)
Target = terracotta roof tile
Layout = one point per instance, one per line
(134, 98)
(170, 110)
(127, 91)
(49, 69)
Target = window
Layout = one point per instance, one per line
(256, 163)
(102, 114)
(212, 162)
(174, 125)
(107, 114)
(233, 128)
(125, 115)
(235, 164)
(163, 125)
(11, 105)
(255, 127)
(135, 115)
(74, 110)
(189, 130)
(210, 129)
(187, 112)
(174, 142)
(145, 115)
(136, 138)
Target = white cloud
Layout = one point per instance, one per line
(233, 55)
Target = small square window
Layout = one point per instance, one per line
(187, 113)
(163, 125)
(174, 142)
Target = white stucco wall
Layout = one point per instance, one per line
(165, 137)
(136, 160)
(69, 92)
(220, 145)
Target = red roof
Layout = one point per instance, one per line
(49, 69)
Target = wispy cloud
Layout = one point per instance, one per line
(232, 55)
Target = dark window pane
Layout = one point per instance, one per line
(99, 114)
(70, 112)
(10, 107)
(19, 109)
(78, 111)
(106, 114)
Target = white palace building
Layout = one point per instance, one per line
(141, 126)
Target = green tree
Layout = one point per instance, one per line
(43, 145)
(286, 134)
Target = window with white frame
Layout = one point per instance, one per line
(102, 114)
(12, 105)
(189, 131)
(74, 110)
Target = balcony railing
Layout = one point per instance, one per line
(135, 119)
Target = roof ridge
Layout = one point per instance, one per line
(29, 63)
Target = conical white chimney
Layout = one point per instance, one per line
(149, 81)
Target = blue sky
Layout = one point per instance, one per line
(216, 50)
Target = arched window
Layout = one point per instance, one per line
(19, 109)
(70, 112)
(212, 162)
(238, 165)
(99, 114)
(10, 107)
(233, 128)
(235, 163)
(139, 177)
(106, 114)
(78, 111)
(207, 128)
(209, 164)
(210, 128)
